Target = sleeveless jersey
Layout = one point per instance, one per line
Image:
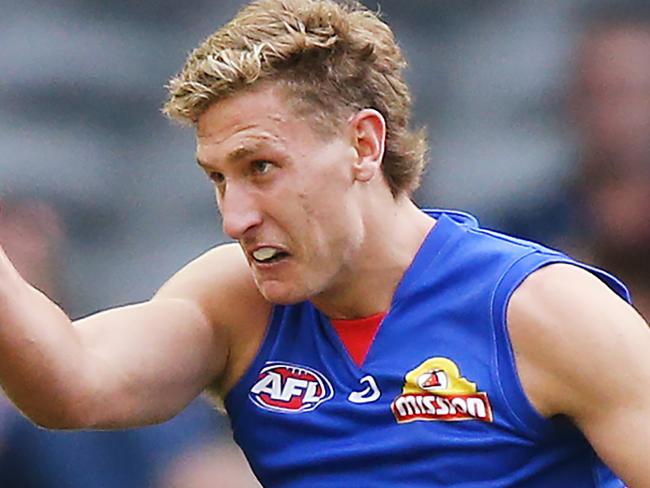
(437, 401)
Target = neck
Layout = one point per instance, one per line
(392, 238)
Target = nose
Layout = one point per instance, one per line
(239, 211)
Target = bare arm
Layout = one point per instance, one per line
(583, 352)
(128, 366)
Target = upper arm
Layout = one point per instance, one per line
(145, 362)
(149, 360)
(582, 351)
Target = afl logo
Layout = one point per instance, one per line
(289, 388)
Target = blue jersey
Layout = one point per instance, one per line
(437, 401)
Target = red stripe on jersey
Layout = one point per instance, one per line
(357, 334)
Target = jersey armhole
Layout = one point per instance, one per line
(507, 377)
(234, 396)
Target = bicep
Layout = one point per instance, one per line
(146, 362)
(583, 352)
(611, 404)
(620, 435)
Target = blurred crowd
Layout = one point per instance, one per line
(539, 121)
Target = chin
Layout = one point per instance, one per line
(282, 294)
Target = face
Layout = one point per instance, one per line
(285, 193)
(613, 91)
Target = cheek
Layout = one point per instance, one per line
(337, 238)
(324, 219)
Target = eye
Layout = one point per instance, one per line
(261, 166)
(216, 177)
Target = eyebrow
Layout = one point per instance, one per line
(236, 155)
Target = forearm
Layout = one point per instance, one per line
(40, 353)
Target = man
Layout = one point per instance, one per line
(612, 112)
(604, 209)
(355, 339)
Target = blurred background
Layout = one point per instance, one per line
(538, 113)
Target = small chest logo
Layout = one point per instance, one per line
(289, 388)
(369, 394)
(435, 390)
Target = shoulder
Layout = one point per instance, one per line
(221, 284)
(570, 333)
(216, 276)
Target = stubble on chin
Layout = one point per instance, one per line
(275, 292)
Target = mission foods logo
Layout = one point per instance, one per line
(289, 388)
(435, 390)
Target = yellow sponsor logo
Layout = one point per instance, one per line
(435, 390)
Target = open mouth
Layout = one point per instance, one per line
(268, 255)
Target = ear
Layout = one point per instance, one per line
(368, 131)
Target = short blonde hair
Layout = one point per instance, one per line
(333, 59)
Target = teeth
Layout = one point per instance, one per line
(265, 253)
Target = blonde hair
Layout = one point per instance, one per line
(332, 58)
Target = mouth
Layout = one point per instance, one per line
(268, 255)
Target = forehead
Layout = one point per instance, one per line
(262, 106)
(250, 119)
(267, 114)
